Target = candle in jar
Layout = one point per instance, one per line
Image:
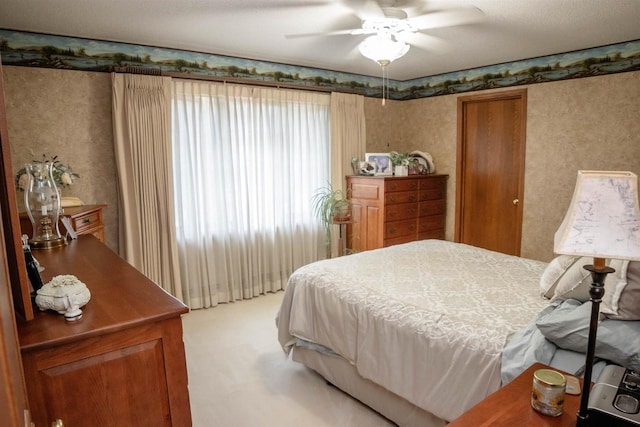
(43, 210)
(548, 392)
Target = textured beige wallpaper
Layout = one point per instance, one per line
(589, 123)
(68, 114)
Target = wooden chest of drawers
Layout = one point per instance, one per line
(392, 210)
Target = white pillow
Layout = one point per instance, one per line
(574, 282)
(614, 285)
(629, 300)
(554, 272)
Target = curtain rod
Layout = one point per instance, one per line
(235, 80)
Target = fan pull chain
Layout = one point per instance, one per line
(385, 80)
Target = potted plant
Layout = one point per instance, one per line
(331, 206)
(400, 162)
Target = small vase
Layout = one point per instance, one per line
(401, 170)
(43, 205)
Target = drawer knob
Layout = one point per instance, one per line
(86, 221)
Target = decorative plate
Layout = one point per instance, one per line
(427, 158)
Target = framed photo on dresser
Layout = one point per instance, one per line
(381, 162)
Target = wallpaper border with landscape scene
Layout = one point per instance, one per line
(28, 49)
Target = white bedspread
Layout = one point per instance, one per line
(427, 320)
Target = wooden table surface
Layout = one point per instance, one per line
(121, 297)
(511, 406)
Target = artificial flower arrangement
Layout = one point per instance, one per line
(63, 175)
(401, 159)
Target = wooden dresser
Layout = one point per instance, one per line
(122, 363)
(391, 210)
(85, 219)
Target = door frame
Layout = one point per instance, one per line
(460, 158)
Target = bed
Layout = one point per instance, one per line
(418, 331)
(425, 321)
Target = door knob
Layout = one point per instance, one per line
(516, 202)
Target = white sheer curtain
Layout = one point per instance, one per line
(247, 162)
(141, 107)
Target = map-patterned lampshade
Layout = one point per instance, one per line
(603, 220)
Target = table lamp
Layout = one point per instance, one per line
(603, 221)
(42, 202)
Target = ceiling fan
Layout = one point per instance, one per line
(392, 31)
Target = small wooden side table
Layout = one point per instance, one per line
(85, 219)
(511, 406)
(342, 239)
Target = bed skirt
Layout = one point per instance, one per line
(344, 376)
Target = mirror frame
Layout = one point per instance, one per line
(20, 287)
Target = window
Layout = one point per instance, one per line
(247, 161)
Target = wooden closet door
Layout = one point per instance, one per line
(490, 170)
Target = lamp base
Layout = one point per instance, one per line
(582, 421)
(48, 244)
(598, 274)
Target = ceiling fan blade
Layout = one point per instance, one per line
(425, 41)
(279, 4)
(351, 32)
(366, 9)
(448, 18)
(354, 51)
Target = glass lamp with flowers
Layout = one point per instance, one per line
(39, 180)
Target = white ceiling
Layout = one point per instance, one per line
(510, 29)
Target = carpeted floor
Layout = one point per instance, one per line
(240, 377)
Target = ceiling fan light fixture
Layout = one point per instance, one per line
(381, 48)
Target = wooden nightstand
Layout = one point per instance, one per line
(85, 219)
(511, 406)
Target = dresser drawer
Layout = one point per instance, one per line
(398, 240)
(400, 185)
(433, 183)
(400, 197)
(435, 207)
(432, 194)
(400, 212)
(365, 190)
(87, 222)
(400, 228)
(433, 222)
